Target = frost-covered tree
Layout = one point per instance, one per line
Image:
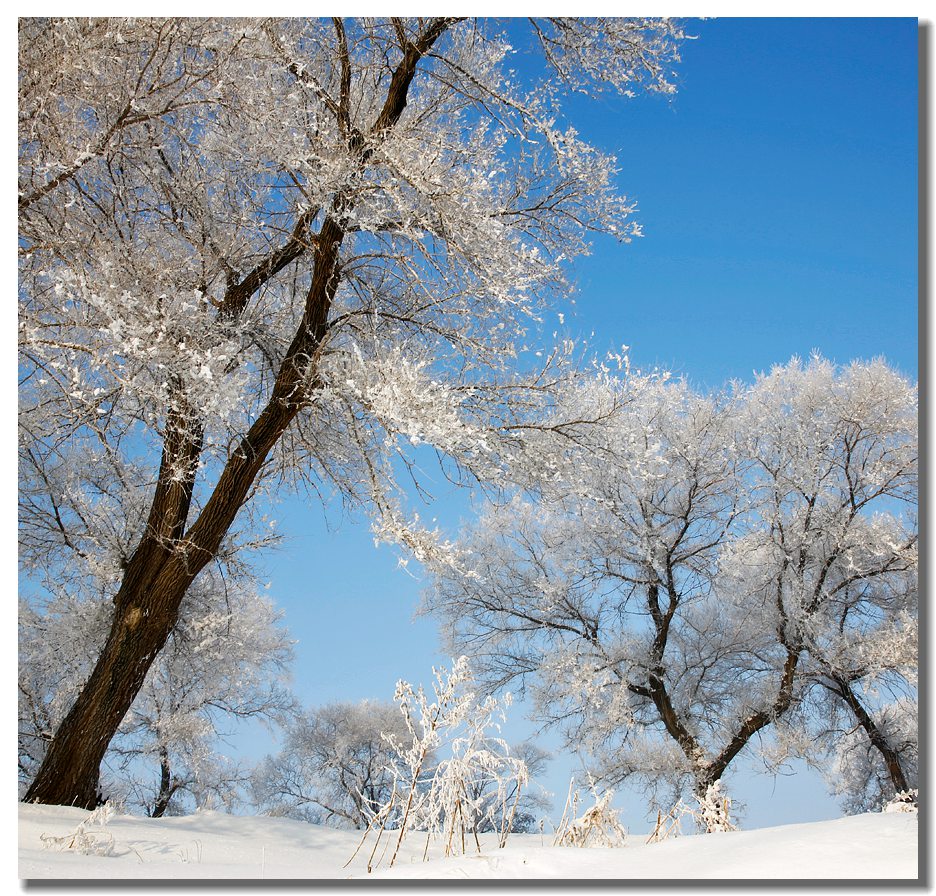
(255, 254)
(836, 466)
(334, 767)
(684, 566)
(226, 659)
(600, 591)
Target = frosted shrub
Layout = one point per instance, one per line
(905, 801)
(597, 826)
(476, 788)
(670, 824)
(83, 841)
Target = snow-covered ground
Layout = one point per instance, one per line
(213, 845)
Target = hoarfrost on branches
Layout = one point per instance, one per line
(281, 252)
(684, 570)
(475, 787)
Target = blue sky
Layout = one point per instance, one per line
(778, 195)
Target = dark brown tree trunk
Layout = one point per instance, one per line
(142, 622)
(147, 604)
(166, 788)
(758, 721)
(875, 735)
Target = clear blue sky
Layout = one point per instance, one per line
(778, 194)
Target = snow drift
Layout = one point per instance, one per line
(211, 845)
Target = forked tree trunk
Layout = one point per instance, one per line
(656, 690)
(158, 575)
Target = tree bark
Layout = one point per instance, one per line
(166, 788)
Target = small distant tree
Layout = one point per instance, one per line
(334, 767)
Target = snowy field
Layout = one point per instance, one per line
(213, 845)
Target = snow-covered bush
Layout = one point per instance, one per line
(597, 826)
(907, 801)
(89, 838)
(476, 786)
(490, 794)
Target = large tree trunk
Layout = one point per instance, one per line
(69, 772)
(147, 604)
(145, 610)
